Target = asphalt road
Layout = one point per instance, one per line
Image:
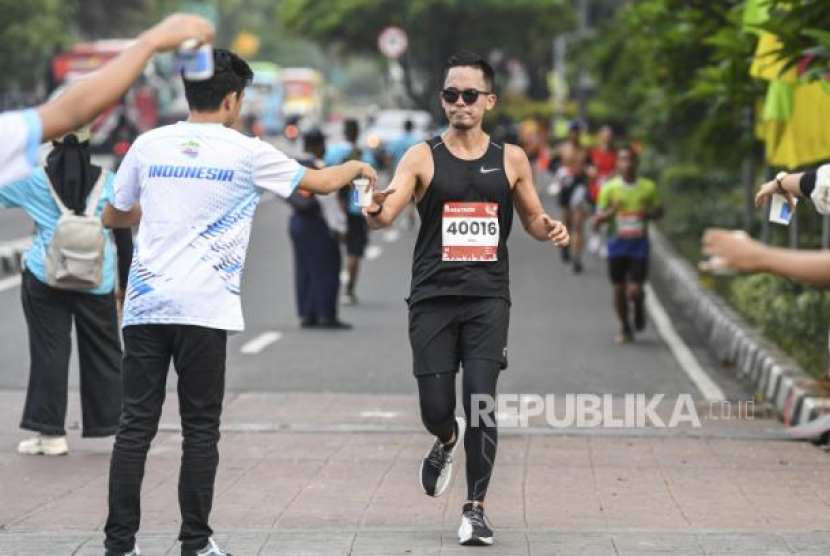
(561, 338)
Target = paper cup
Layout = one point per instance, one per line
(779, 212)
(362, 192)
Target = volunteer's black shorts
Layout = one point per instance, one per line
(357, 235)
(445, 331)
(627, 270)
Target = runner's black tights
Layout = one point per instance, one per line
(437, 396)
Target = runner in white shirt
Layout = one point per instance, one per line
(23, 130)
(194, 187)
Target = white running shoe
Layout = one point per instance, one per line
(44, 445)
(474, 530)
(212, 549)
(436, 467)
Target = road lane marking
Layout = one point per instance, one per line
(9, 283)
(259, 343)
(373, 252)
(391, 236)
(379, 414)
(688, 361)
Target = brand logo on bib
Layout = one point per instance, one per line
(488, 170)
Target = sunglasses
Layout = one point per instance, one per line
(469, 96)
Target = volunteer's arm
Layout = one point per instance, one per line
(123, 209)
(83, 101)
(114, 218)
(535, 220)
(329, 180)
(395, 198)
(747, 255)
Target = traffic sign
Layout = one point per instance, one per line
(393, 42)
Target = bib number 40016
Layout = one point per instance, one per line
(470, 232)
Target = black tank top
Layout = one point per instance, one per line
(470, 204)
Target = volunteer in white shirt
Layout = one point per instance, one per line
(194, 186)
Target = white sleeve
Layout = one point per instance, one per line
(20, 134)
(276, 172)
(821, 193)
(127, 188)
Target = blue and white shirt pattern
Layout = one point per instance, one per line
(198, 186)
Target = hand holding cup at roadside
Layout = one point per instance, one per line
(362, 191)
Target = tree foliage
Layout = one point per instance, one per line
(436, 29)
(677, 73)
(30, 32)
(801, 25)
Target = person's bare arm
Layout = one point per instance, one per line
(739, 252)
(114, 218)
(329, 180)
(83, 101)
(395, 198)
(536, 222)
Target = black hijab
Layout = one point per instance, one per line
(71, 172)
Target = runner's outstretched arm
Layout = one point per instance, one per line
(328, 180)
(747, 255)
(83, 101)
(392, 200)
(537, 223)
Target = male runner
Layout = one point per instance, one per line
(574, 196)
(198, 184)
(628, 202)
(466, 187)
(21, 131)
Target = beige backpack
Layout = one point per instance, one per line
(75, 258)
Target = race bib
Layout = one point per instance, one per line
(470, 232)
(631, 225)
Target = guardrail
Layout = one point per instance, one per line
(775, 376)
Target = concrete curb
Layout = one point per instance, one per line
(11, 254)
(776, 377)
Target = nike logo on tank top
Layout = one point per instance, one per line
(466, 217)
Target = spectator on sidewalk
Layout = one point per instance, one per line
(69, 183)
(21, 131)
(316, 227)
(357, 231)
(742, 253)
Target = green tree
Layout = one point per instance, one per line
(801, 25)
(30, 33)
(436, 29)
(676, 73)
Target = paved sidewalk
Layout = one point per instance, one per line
(328, 474)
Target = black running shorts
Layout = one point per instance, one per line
(357, 235)
(627, 270)
(445, 331)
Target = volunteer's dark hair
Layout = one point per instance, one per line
(472, 60)
(231, 74)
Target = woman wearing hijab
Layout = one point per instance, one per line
(50, 311)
